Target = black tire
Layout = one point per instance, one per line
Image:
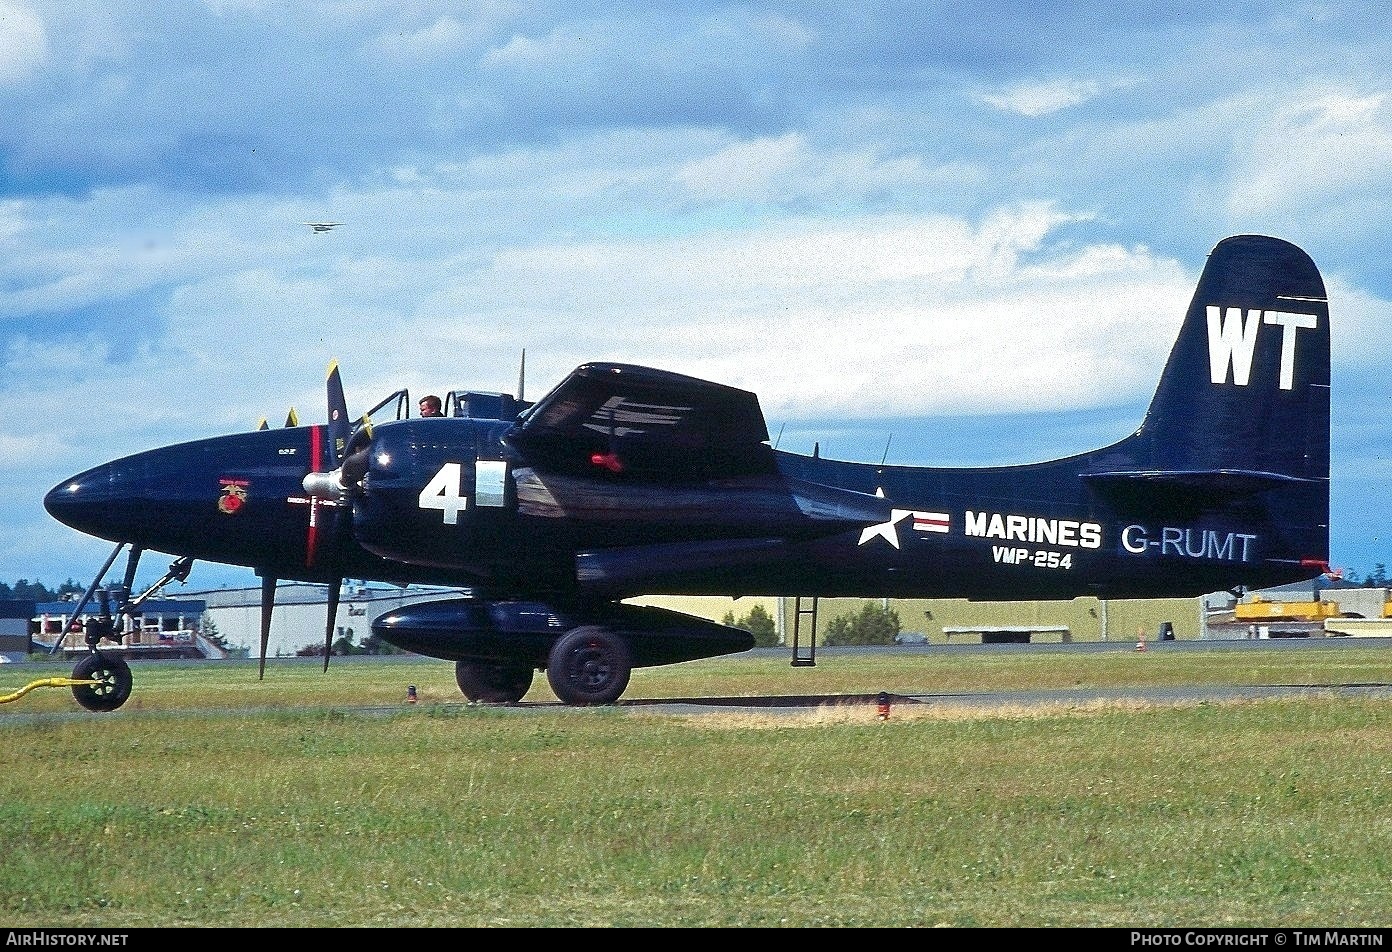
(114, 682)
(589, 665)
(493, 683)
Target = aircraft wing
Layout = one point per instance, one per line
(645, 424)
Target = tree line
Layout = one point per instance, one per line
(38, 591)
(872, 625)
(1377, 578)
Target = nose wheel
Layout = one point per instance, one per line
(109, 682)
(104, 680)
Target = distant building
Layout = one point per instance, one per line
(161, 628)
(15, 639)
(300, 609)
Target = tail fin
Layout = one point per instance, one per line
(1246, 387)
(1238, 430)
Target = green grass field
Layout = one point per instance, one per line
(312, 799)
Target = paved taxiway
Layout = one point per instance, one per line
(1172, 694)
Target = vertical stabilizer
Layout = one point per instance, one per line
(1246, 387)
(1235, 445)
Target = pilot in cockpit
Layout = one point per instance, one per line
(430, 406)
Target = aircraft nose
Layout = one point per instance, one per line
(236, 499)
(84, 502)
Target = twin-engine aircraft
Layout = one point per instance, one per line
(627, 481)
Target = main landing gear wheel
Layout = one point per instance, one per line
(493, 683)
(113, 677)
(589, 665)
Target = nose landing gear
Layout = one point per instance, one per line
(101, 681)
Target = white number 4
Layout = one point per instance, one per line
(442, 492)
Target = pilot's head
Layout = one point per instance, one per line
(430, 406)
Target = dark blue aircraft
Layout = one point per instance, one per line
(626, 480)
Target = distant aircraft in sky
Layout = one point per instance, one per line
(321, 226)
(627, 481)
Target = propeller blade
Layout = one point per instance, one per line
(328, 447)
(335, 589)
(291, 419)
(522, 374)
(316, 455)
(268, 590)
(338, 416)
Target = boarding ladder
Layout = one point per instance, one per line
(801, 658)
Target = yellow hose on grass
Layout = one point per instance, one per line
(45, 683)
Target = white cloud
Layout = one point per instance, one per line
(23, 41)
(778, 30)
(744, 167)
(524, 52)
(441, 38)
(885, 316)
(1360, 320)
(12, 220)
(870, 315)
(788, 171)
(1320, 150)
(1042, 98)
(103, 246)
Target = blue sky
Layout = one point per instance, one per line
(966, 232)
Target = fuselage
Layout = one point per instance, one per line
(449, 501)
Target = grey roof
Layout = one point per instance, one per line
(307, 593)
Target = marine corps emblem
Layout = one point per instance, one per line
(233, 495)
